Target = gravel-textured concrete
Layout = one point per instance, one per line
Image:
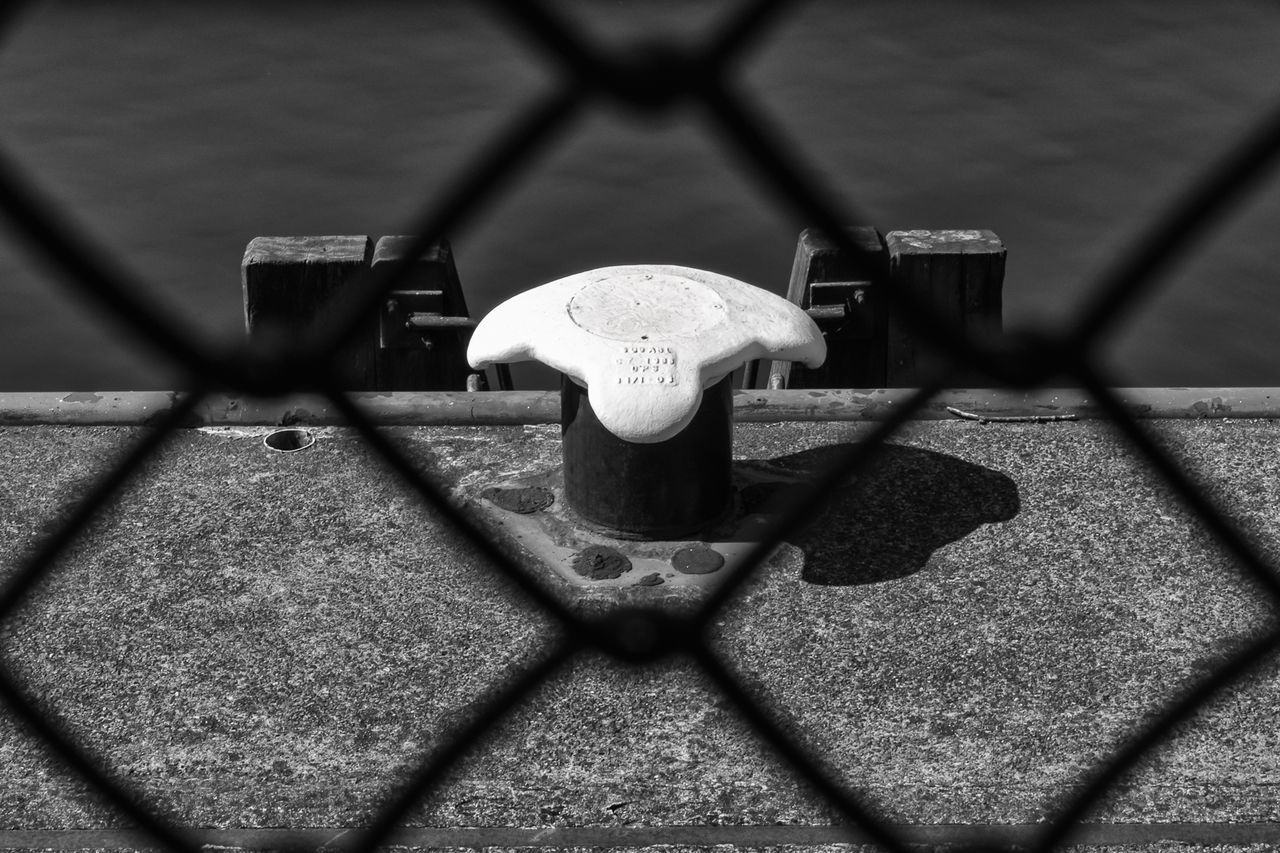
(260, 639)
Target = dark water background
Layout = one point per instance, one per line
(176, 132)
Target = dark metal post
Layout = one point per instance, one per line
(663, 490)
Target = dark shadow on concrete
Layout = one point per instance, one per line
(888, 522)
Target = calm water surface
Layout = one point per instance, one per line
(174, 133)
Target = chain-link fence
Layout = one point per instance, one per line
(649, 82)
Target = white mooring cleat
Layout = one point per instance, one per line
(646, 340)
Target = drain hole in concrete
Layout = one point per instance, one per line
(289, 440)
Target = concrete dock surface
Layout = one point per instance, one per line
(258, 641)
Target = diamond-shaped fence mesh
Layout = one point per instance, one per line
(648, 82)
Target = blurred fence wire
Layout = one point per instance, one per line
(650, 82)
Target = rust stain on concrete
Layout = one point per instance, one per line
(1213, 407)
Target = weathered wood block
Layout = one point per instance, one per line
(289, 281)
(854, 326)
(440, 362)
(960, 274)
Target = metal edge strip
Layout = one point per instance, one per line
(494, 408)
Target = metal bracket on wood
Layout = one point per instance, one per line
(959, 274)
(395, 329)
(411, 318)
(842, 308)
(418, 340)
(837, 292)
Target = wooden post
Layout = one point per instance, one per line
(662, 490)
(960, 274)
(287, 283)
(415, 342)
(425, 358)
(839, 296)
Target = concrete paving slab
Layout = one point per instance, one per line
(256, 639)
